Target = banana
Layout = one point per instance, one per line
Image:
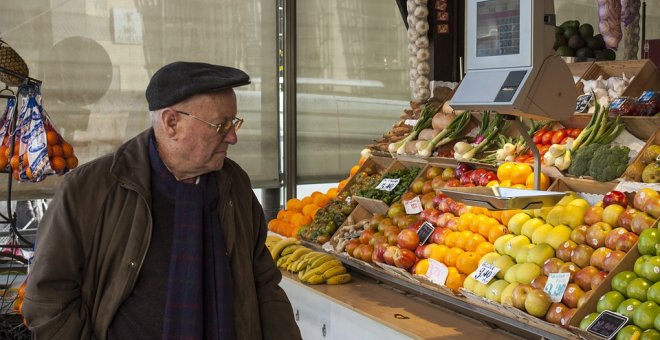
(282, 261)
(339, 279)
(301, 274)
(320, 269)
(291, 266)
(302, 263)
(336, 270)
(290, 249)
(273, 238)
(315, 279)
(299, 253)
(320, 260)
(280, 245)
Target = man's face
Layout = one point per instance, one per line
(201, 149)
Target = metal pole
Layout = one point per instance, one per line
(290, 94)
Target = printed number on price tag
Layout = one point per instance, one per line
(437, 272)
(388, 184)
(413, 206)
(485, 272)
(556, 285)
(607, 324)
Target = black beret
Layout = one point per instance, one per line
(180, 80)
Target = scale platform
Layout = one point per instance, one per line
(500, 198)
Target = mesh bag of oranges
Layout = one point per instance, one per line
(37, 150)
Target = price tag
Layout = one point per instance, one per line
(388, 184)
(424, 231)
(485, 272)
(582, 104)
(437, 272)
(413, 206)
(556, 285)
(411, 122)
(328, 247)
(607, 324)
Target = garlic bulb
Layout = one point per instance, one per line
(421, 12)
(423, 69)
(422, 42)
(412, 61)
(418, 48)
(421, 2)
(422, 27)
(423, 54)
(422, 82)
(410, 6)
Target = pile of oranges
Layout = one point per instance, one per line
(60, 153)
(299, 213)
(519, 175)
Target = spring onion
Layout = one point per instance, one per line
(447, 135)
(425, 118)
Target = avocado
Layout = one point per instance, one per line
(601, 41)
(565, 51)
(584, 53)
(559, 41)
(559, 30)
(569, 32)
(586, 31)
(593, 43)
(574, 24)
(609, 54)
(599, 55)
(575, 42)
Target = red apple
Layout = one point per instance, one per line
(597, 279)
(350, 246)
(461, 169)
(571, 268)
(419, 251)
(485, 179)
(366, 252)
(625, 219)
(407, 239)
(429, 213)
(572, 294)
(453, 182)
(551, 265)
(565, 250)
(452, 223)
(417, 185)
(652, 206)
(615, 197)
(598, 257)
(357, 251)
(443, 219)
(556, 312)
(438, 197)
(567, 317)
(378, 238)
(639, 201)
(596, 234)
(539, 282)
(581, 255)
(466, 178)
(584, 276)
(579, 234)
(378, 254)
(459, 209)
(366, 235)
(626, 241)
(427, 188)
(613, 236)
(438, 235)
(437, 183)
(640, 222)
(612, 260)
(404, 258)
(593, 214)
(415, 225)
(388, 255)
(444, 204)
(585, 297)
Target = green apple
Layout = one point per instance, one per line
(489, 258)
(469, 283)
(621, 280)
(656, 322)
(645, 314)
(480, 289)
(515, 244)
(574, 214)
(556, 215)
(628, 307)
(609, 301)
(495, 289)
(516, 222)
(637, 288)
(650, 334)
(639, 264)
(501, 241)
(507, 294)
(651, 269)
(541, 233)
(504, 263)
(653, 294)
(530, 226)
(558, 235)
(587, 320)
(648, 240)
(521, 256)
(628, 332)
(540, 253)
(510, 274)
(527, 272)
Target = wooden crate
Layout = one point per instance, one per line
(645, 72)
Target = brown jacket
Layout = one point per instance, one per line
(95, 234)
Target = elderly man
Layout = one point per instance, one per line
(164, 238)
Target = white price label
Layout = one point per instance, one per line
(413, 206)
(411, 122)
(485, 272)
(556, 285)
(388, 184)
(437, 272)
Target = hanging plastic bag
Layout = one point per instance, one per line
(5, 133)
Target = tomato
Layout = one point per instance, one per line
(563, 141)
(529, 160)
(547, 137)
(538, 135)
(543, 149)
(558, 136)
(575, 133)
(520, 159)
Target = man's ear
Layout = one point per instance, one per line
(169, 120)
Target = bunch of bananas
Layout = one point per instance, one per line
(313, 267)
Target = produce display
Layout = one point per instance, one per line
(646, 168)
(575, 40)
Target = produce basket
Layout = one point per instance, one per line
(11, 61)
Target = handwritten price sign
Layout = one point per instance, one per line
(437, 272)
(556, 285)
(388, 184)
(485, 272)
(413, 206)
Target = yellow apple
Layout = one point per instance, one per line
(515, 244)
(504, 263)
(540, 253)
(541, 233)
(558, 235)
(489, 258)
(523, 253)
(501, 241)
(507, 294)
(556, 215)
(527, 272)
(511, 274)
(574, 214)
(530, 226)
(516, 222)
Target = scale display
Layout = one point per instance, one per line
(498, 28)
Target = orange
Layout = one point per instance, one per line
(507, 214)
(332, 193)
(28, 172)
(67, 149)
(467, 262)
(3, 151)
(506, 183)
(294, 232)
(422, 267)
(485, 225)
(493, 183)
(50, 151)
(272, 223)
(57, 150)
(545, 182)
(321, 199)
(484, 248)
(15, 162)
(52, 137)
(71, 162)
(519, 173)
(307, 200)
(25, 159)
(3, 161)
(519, 186)
(474, 241)
(504, 171)
(286, 217)
(342, 184)
(495, 232)
(316, 193)
(57, 163)
(465, 221)
(497, 215)
(354, 170)
(438, 253)
(299, 219)
(280, 214)
(452, 256)
(451, 238)
(455, 281)
(481, 219)
(463, 238)
(294, 204)
(308, 208)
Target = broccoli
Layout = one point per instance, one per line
(581, 159)
(609, 162)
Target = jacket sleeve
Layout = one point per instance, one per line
(276, 313)
(53, 306)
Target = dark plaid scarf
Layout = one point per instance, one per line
(200, 293)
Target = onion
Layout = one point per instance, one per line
(446, 108)
(441, 120)
(427, 134)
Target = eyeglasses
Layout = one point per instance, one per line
(221, 129)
